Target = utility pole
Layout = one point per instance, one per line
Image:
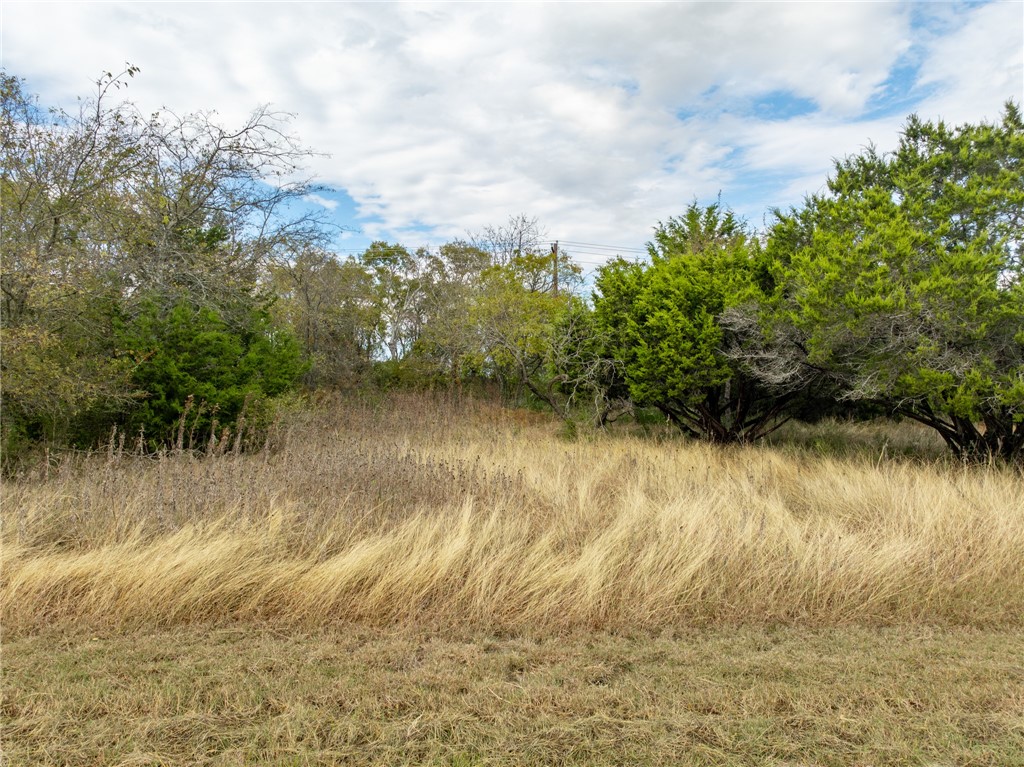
(554, 255)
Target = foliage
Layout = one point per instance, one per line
(662, 323)
(108, 212)
(191, 365)
(58, 174)
(329, 306)
(396, 293)
(511, 323)
(150, 259)
(528, 337)
(904, 284)
(451, 283)
(579, 370)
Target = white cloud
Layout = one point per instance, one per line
(322, 201)
(808, 143)
(975, 68)
(442, 118)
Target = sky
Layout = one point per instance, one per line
(598, 119)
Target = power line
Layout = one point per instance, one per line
(621, 248)
(604, 246)
(583, 253)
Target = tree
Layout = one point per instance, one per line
(493, 316)
(330, 306)
(215, 205)
(191, 358)
(579, 374)
(521, 235)
(511, 325)
(397, 293)
(107, 213)
(903, 285)
(513, 322)
(61, 182)
(662, 322)
(451, 283)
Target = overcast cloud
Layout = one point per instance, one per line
(599, 119)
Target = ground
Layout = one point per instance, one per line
(252, 694)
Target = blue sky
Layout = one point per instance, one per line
(599, 119)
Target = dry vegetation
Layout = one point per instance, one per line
(407, 581)
(414, 511)
(255, 695)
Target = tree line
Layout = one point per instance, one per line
(159, 277)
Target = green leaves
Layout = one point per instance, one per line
(104, 209)
(189, 352)
(904, 282)
(662, 323)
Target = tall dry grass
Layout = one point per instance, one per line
(420, 510)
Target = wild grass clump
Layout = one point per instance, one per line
(881, 439)
(416, 510)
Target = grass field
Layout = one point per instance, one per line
(416, 581)
(255, 695)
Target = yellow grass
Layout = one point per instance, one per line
(416, 511)
(252, 694)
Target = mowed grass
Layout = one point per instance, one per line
(418, 581)
(254, 695)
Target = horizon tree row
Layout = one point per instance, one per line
(899, 288)
(156, 269)
(157, 277)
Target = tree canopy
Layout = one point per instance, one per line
(662, 320)
(111, 216)
(903, 283)
(156, 266)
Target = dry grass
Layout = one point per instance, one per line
(252, 695)
(880, 439)
(409, 581)
(417, 512)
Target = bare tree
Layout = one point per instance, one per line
(521, 235)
